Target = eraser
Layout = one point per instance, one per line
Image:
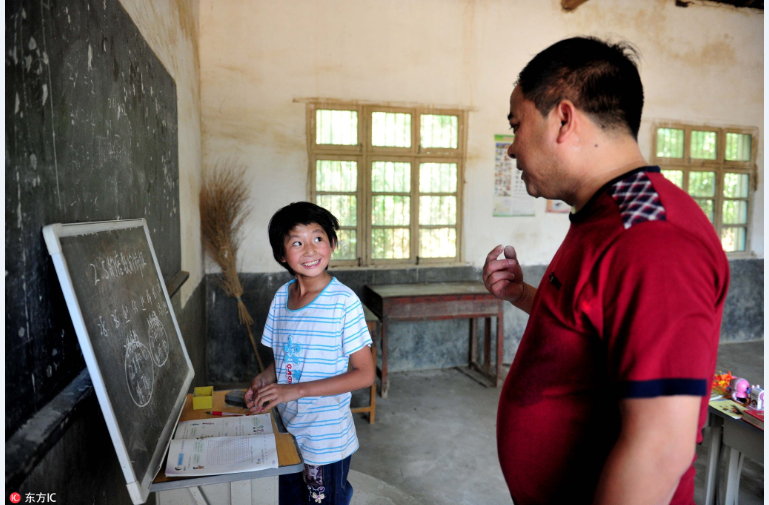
(236, 398)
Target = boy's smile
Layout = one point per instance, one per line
(308, 250)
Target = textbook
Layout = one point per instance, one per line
(222, 445)
(728, 407)
(754, 417)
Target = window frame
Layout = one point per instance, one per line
(720, 166)
(365, 154)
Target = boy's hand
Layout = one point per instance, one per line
(260, 381)
(272, 394)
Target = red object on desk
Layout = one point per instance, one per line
(754, 417)
(218, 413)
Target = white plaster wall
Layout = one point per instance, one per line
(170, 27)
(259, 58)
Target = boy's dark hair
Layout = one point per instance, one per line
(295, 214)
(601, 79)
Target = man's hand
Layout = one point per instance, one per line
(503, 278)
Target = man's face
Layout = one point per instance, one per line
(533, 146)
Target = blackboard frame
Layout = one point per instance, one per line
(138, 485)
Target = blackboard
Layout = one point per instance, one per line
(91, 134)
(129, 335)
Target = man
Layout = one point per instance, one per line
(608, 392)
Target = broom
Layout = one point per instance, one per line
(224, 208)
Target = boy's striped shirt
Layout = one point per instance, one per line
(312, 343)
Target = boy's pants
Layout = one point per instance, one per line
(317, 485)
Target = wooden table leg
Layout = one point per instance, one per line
(487, 345)
(385, 380)
(473, 340)
(733, 477)
(713, 440)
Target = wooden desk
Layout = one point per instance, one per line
(240, 490)
(441, 300)
(742, 439)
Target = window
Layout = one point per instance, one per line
(716, 166)
(392, 176)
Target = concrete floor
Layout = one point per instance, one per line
(434, 440)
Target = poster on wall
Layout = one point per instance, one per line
(510, 196)
(558, 207)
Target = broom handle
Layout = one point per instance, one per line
(253, 344)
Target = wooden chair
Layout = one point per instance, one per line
(372, 321)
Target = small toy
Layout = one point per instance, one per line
(756, 398)
(740, 389)
(721, 381)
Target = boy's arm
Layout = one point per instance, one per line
(360, 375)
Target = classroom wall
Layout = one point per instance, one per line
(81, 465)
(260, 59)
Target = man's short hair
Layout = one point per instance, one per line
(295, 214)
(600, 78)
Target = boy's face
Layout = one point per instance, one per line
(308, 250)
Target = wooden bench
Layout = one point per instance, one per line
(372, 321)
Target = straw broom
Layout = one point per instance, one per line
(224, 208)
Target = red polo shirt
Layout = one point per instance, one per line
(630, 307)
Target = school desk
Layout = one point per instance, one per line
(742, 439)
(246, 488)
(441, 300)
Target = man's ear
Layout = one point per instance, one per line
(565, 114)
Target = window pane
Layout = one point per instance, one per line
(738, 147)
(733, 239)
(735, 212)
(736, 185)
(438, 243)
(390, 243)
(338, 127)
(703, 145)
(390, 177)
(391, 129)
(439, 131)
(438, 178)
(348, 245)
(702, 183)
(670, 143)
(333, 175)
(707, 207)
(344, 207)
(437, 210)
(674, 176)
(390, 210)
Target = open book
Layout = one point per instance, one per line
(222, 445)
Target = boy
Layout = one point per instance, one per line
(316, 328)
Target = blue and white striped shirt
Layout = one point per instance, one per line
(313, 343)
